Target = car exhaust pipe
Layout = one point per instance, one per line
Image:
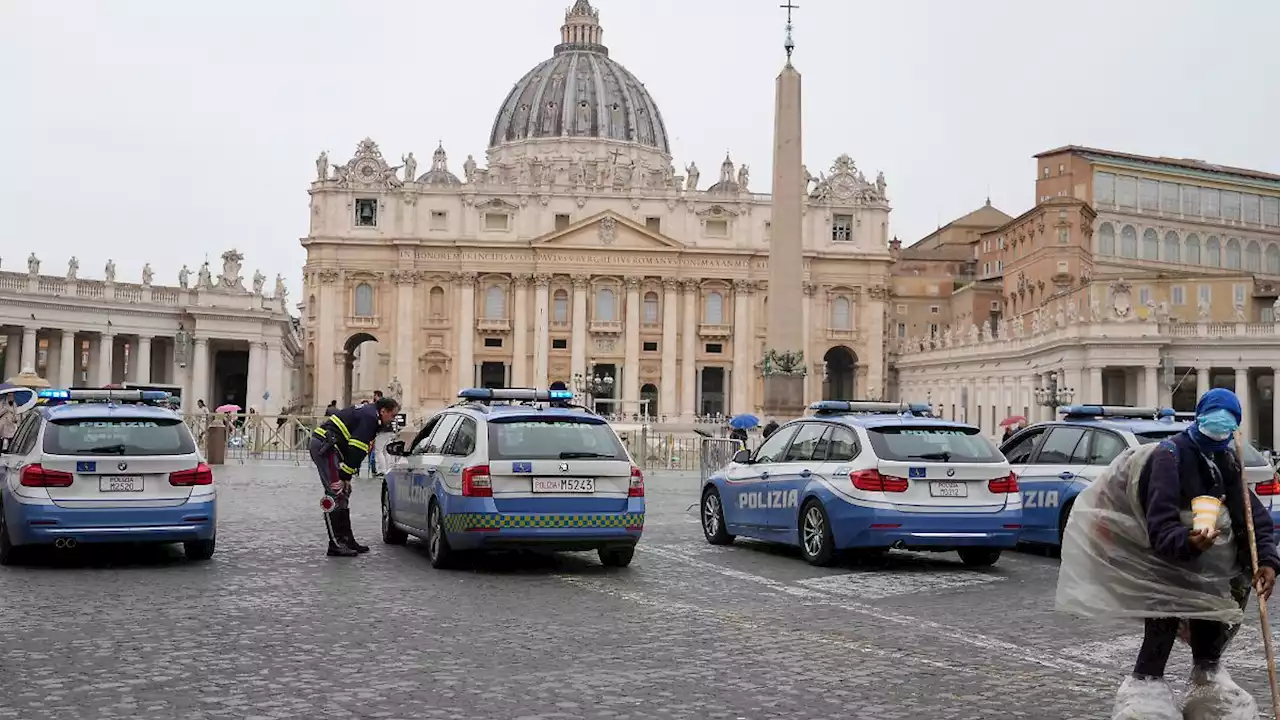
(64, 543)
(71, 543)
(898, 545)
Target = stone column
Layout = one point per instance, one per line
(277, 385)
(670, 309)
(29, 346)
(741, 391)
(13, 356)
(200, 389)
(631, 348)
(520, 331)
(256, 383)
(578, 345)
(406, 361)
(68, 360)
(1245, 393)
(106, 352)
(689, 352)
(1275, 407)
(806, 318)
(466, 332)
(1151, 386)
(542, 332)
(142, 360)
(1093, 394)
(329, 314)
(1202, 382)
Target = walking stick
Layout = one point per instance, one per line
(1262, 602)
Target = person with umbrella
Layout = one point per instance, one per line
(1012, 425)
(739, 425)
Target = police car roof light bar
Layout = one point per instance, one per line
(515, 394)
(59, 396)
(1110, 411)
(832, 407)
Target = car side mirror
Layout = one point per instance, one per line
(396, 447)
(742, 457)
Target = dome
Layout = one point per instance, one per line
(439, 173)
(580, 92)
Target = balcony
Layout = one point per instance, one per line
(364, 322)
(606, 327)
(708, 330)
(850, 335)
(493, 326)
(437, 321)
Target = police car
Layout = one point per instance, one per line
(89, 466)
(515, 468)
(1056, 460)
(868, 475)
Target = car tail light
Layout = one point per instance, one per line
(636, 489)
(1270, 487)
(476, 482)
(1008, 484)
(39, 476)
(199, 475)
(873, 481)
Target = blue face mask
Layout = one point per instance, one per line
(1217, 425)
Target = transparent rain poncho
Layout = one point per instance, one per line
(1109, 569)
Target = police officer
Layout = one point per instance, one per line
(337, 448)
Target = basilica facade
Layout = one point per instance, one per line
(580, 254)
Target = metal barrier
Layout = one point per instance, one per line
(258, 437)
(716, 453)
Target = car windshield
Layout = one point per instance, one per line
(932, 443)
(118, 436)
(1252, 458)
(552, 438)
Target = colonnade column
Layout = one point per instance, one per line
(542, 336)
(689, 352)
(276, 381)
(631, 348)
(1151, 386)
(406, 355)
(520, 332)
(200, 373)
(466, 363)
(806, 318)
(141, 361)
(68, 360)
(667, 385)
(1094, 394)
(741, 347)
(578, 344)
(1246, 402)
(255, 384)
(106, 352)
(29, 349)
(13, 356)
(1202, 381)
(1275, 407)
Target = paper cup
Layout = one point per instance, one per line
(1205, 509)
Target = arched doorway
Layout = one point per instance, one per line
(838, 382)
(649, 392)
(348, 362)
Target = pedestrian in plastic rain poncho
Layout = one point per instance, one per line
(1130, 551)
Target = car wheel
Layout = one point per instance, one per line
(816, 541)
(1062, 522)
(199, 549)
(10, 554)
(979, 557)
(438, 550)
(616, 557)
(713, 518)
(391, 534)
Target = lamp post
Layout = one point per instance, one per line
(1053, 396)
(592, 386)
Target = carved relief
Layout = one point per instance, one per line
(691, 285)
(633, 281)
(522, 279)
(464, 278)
(581, 281)
(329, 276)
(606, 344)
(670, 283)
(608, 230)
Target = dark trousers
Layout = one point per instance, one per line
(1207, 638)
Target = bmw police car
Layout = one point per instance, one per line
(515, 468)
(1056, 460)
(868, 475)
(91, 466)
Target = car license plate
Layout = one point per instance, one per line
(948, 489)
(120, 483)
(564, 485)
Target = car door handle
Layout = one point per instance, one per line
(764, 475)
(1067, 476)
(805, 473)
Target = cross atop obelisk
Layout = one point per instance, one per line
(790, 44)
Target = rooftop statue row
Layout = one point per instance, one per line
(229, 281)
(368, 169)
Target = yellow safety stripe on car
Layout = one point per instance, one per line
(342, 427)
(357, 444)
(346, 468)
(461, 522)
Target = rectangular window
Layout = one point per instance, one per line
(901, 309)
(717, 228)
(1239, 294)
(714, 348)
(1144, 296)
(496, 221)
(1126, 191)
(559, 344)
(902, 330)
(841, 228)
(493, 342)
(1249, 209)
(1064, 235)
(118, 436)
(932, 443)
(562, 221)
(1205, 294)
(439, 220)
(1178, 293)
(999, 266)
(1267, 314)
(768, 231)
(933, 330)
(1271, 211)
(1190, 200)
(986, 268)
(527, 437)
(933, 309)
(1230, 205)
(1169, 200)
(650, 346)
(1148, 194)
(1063, 267)
(1211, 200)
(366, 212)
(654, 224)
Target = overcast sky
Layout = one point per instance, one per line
(162, 131)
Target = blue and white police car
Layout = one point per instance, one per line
(1056, 460)
(868, 475)
(515, 468)
(91, 466)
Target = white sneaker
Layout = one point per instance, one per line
(1145, 699)
(1213, 695)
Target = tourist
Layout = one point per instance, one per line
(769, 428)
(8, 422)
(332, 408)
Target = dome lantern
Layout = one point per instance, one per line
(581, 30)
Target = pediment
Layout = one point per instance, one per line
(716, 211)
(497, 204)
(607, 230)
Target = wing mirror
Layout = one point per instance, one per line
(396, 447)
(742, 457)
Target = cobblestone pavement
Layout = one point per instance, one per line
(270, 628)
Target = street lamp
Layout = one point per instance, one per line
(592, 386)
(1053, 396)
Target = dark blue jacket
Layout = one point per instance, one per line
(1177, 472)
(352, 432)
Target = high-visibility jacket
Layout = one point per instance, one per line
(352, 432)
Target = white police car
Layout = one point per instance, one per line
(1056, 460)
(515, 468)
(89, 466)
(868, 475)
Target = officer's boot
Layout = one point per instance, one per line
(337, 544)
(349, 535)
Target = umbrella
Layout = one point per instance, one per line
(745, 421)
(1013, 420)
(228, 408)
(24, 398)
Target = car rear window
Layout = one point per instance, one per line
(1252, 458)
(931, 443)
(118, 436)
(523, 438)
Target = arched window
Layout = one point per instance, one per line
(650, 308)
(311, 306)
(1253, 257)
(1172, 248)
(841, 314)
(1128, 242)
(605, 305)
(1150, 245)
(1233, 253)
(1213, 252)
(1273, 260)
(1193, 249)
(495, 303)
(435, 302)
(713, 308)
(1106, 239)
(364, 300)
(560, 306)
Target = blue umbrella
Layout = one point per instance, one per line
(23, 397)
(745, 421)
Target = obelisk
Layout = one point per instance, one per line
(784, 362)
